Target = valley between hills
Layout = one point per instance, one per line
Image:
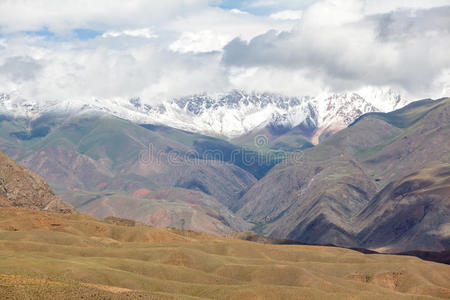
(348, 190)
(112, 225)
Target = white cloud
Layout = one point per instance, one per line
(338, 45)
(156, 49)
(203, 41)
(238, 11)
(210, 30)
(287, 15)
(276, 80)
(98, 69)
(143, 32)
(20, 68)
(332, 13)
(62, 16)
(386, 6)
(288, 4)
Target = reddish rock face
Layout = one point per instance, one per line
(141, 193)
(19, 187)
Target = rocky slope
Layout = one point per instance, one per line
(317, 195)
(411, 213)
(21, 188)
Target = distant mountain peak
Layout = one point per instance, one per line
(230, 114)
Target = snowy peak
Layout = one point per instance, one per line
(342, 108)
(385, 99)
(228, 114)
(238, 112)
(198, 104)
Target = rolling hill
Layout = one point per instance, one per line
(75, 256)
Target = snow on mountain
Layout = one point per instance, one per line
(235, 113)
(385, 99)
(228, 114)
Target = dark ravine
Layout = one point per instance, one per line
(439, 257)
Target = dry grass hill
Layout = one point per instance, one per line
(74, 256)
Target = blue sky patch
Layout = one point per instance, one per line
(264, 8)
(86, 34)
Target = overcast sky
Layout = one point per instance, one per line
(84, 49)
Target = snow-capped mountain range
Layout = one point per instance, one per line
(228, 114)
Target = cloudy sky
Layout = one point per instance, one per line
(84, 49)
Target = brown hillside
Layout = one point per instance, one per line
(21, 188)
(410, 213)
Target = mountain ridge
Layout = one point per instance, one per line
(230, 115)
(100, 162)
(317, 199)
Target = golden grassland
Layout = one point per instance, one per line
(46, 255)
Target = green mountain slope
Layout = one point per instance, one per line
(316, 197)
(281, 139)
(102, 154)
